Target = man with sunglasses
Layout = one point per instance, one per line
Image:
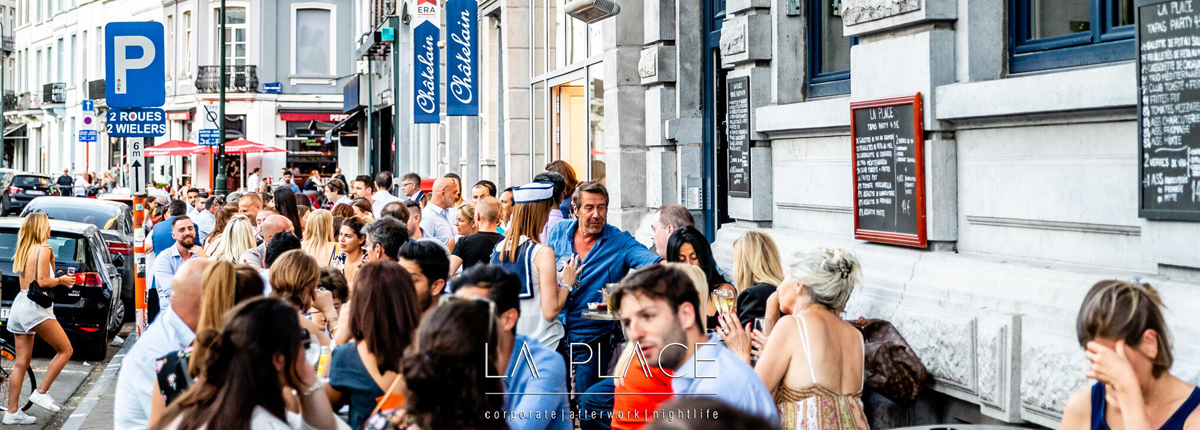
(529, 366)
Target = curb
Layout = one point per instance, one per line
(80, 415)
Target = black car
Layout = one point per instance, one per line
(25, 187)
(91, 310)
(115, 221)
(6, 177)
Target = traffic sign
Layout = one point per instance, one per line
(137, 162)
(89, 106)
(87, 136)
(134, 66)
(138, 122)
(209, 137)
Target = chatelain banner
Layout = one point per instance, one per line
(426, 100)
(462, 29)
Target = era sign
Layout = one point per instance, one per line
(134, 64)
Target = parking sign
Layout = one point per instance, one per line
(134, 66)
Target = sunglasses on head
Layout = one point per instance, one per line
(447, 298)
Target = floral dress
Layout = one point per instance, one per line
(817, 407)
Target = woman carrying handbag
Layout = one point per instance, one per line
(33, 313)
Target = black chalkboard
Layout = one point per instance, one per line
(1168, 40)
(737, 123)
(889, 173)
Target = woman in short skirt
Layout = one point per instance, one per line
(34, 260)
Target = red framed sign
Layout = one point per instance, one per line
(889, 170)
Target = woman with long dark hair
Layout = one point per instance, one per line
(383, 322)
(351, 255)
(256, 355)
(446, 385)
(285, 204)
(688, 245)
(34, 261)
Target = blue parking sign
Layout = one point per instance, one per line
(134, 70)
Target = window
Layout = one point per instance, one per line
(235, 35)
(1050, 34)
(187, 44)
(828, 50)
(170, 60)
(312, 42)
(83, 60)
(71, 69)
(58, 63)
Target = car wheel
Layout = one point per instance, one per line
(96, 348)
(114, 324)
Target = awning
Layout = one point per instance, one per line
(351, 119)
(313, 116)
(18, 130)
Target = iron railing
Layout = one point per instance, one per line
(54, 93)
(239, 79)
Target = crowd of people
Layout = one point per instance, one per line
(517, 308)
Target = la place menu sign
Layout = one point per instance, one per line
(889, 170)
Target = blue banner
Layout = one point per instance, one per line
(426, 100)
(462, 30)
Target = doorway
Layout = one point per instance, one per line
(570, 123)
(714, 145)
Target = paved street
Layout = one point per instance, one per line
(72, 386)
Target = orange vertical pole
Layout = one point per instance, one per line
(139, 262)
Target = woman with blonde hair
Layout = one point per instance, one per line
(225, 285)
(237, 238)
(1128, 345)
(464, 223)
(520, 252)
(34, 264)
(318, 239)
(813, 360)
(757, 273)
(221, 220)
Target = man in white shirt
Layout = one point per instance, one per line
(252, 181)
(383, 195)
(205, 219)
(173, 330)
(193, 195)
(435, 219)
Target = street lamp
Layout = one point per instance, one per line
(221, 185)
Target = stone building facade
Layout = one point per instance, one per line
(1030, 159)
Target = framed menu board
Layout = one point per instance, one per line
(737, 123)
(1168, 110)
(889, 170)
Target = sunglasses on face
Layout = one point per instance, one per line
(447, 298)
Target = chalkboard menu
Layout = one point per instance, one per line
(889, 170)
(1168, 40)
(737, 123)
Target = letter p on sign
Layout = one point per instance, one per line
(134, 69)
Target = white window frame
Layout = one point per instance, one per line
(169, 64)
(186, 19)
(214, 50)
(296, 7)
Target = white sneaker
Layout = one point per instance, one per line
(45, 401)
(19, 418)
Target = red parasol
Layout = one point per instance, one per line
(174, 148)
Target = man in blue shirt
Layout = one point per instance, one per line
(435, 219)
(168, 261)
(529, 367)
(592, 254)
(660, 310)
(160, 236)
(286, 180)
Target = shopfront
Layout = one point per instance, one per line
(309, 147)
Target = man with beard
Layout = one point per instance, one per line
(429, 264)
(590, 254)
(168, 260)
(660, 311)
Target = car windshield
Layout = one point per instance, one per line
(101, 218)
(31, 181)
(69, 249)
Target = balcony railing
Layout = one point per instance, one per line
(27, 101)
(54, 93)
(239, 79)
(8, 44)
(10, 100)
(95, 89)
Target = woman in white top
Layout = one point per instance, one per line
(521, 253)
(34, 261)
(252, 360)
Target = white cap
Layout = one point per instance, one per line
(533, 192)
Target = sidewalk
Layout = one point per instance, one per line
(95, 409)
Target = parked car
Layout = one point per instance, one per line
(115, 221)
(91, 310)
(6, 177)
(25, 187)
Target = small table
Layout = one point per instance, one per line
(600, 315)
